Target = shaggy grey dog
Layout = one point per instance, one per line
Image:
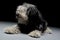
(30, 21)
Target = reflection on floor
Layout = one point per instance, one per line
(3, 36)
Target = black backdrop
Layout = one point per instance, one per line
(47, 8)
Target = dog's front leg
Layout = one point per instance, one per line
(12, 30)
(35, 33)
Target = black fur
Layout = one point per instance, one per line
(34, 21)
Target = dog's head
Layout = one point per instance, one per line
(26, 12)
(21, 14)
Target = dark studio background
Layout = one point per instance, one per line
(47, 8)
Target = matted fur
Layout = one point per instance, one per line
(30, 21)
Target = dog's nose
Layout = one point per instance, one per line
(17, 14)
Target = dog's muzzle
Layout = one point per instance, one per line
(22, 16)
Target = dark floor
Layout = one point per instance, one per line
(3, 36)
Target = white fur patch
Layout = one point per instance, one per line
(35, 33)
(13, 30)
(48, 30)
(28, 5)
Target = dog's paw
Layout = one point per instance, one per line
(48, 30)
(35, 34)
(11, 30)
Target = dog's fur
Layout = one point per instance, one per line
(30, 21)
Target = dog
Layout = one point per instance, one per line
(30, 21)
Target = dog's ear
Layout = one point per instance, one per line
(34, 11)
(31, 11)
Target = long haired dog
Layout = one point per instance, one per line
(30, 21)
